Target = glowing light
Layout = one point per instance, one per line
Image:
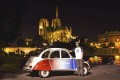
(117, 39)
(14, 49)
(117, 57)
(91, 44)
(91, 59)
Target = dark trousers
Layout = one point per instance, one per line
(80, 70)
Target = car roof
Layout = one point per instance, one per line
(57, 48)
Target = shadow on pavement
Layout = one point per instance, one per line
(57, 73)
(10, 74)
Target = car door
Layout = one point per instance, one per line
(66, 61)
(55, 60)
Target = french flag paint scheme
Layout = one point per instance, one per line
(68, 64)
(56, 64)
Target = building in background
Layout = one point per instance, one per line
(109, 39)
(55, 31)
(108, 44)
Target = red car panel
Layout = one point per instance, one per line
(43, 65)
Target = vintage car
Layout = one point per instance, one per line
(53, 59)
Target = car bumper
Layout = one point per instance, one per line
(27, 69)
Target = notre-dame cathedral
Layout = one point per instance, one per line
(55, 31)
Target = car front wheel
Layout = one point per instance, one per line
(85, 71)
(44, 74)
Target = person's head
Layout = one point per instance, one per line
(77, 43)
(78, 40)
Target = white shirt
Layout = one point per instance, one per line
(78, 53)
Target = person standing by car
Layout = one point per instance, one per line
(79, 59)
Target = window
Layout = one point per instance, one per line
(45, 55)
(55, 54)
(64, 54)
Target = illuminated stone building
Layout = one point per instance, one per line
(112, 36)
(55, 31)
(108, 44)
(108, 37)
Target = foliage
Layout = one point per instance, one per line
(37, 41)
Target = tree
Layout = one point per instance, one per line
(37, 41)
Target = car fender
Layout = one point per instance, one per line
(42, 65)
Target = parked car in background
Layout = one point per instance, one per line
(53, 59)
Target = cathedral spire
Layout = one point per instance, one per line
(56, 22)
(56, 12)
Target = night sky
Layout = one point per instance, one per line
(87, 18)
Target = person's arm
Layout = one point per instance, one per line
(81, 49)
(70, 50)
(82, 52)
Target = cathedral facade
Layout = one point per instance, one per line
(55, 32)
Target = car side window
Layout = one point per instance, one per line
(55, 54)
(64, 54)
(45, 55)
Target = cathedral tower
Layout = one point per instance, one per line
(56, 22)
(43, 24)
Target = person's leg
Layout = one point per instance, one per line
(81, 68)
(78, 67)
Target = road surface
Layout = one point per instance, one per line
(98, 72)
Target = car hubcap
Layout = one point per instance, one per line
(44, 73)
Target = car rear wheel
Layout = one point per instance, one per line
(44, 74)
